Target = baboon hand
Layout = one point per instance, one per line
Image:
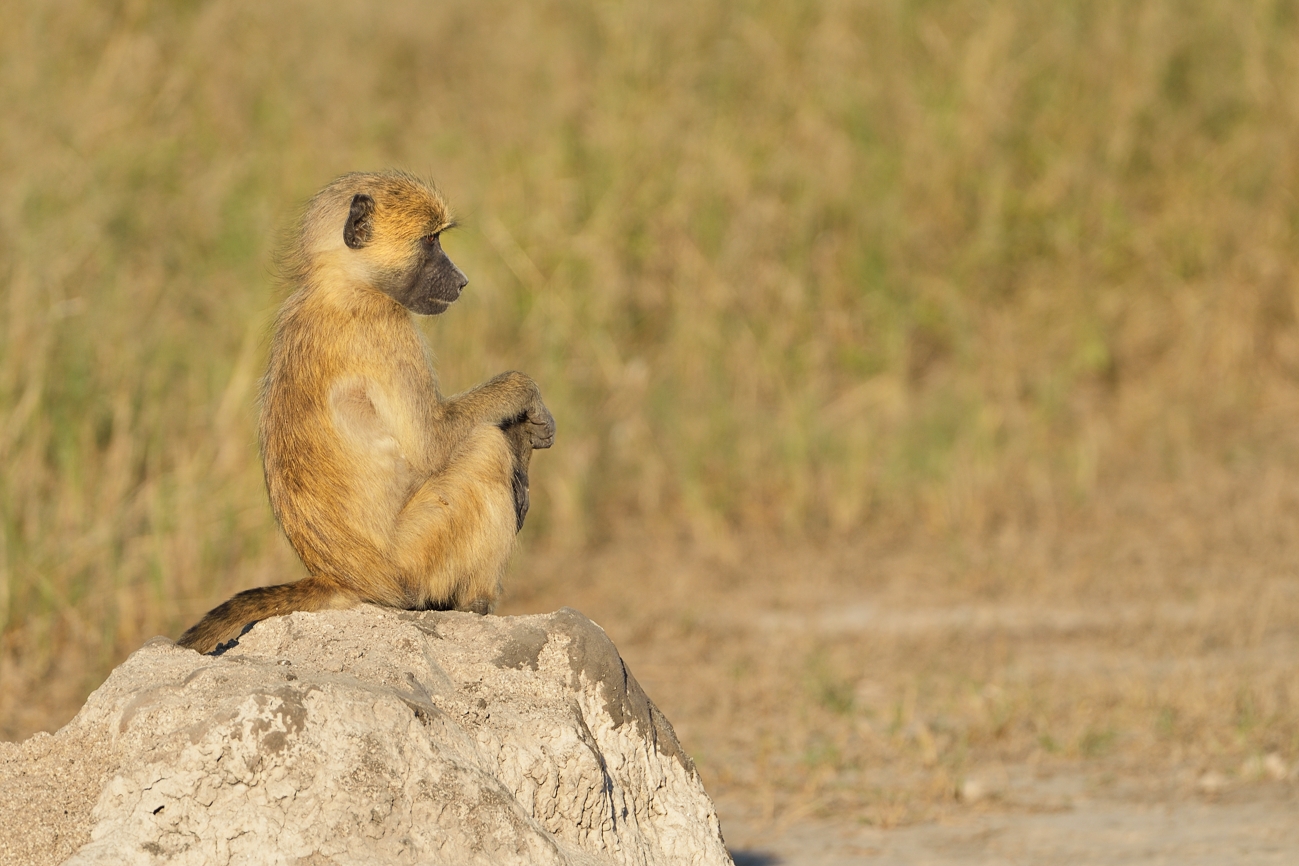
(540, 425)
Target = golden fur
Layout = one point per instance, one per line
(390, 493)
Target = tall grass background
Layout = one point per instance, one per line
(806, 271)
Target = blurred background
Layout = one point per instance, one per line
(926, 373)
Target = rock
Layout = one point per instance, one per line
(367, 736)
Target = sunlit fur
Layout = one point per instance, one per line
(390, 493)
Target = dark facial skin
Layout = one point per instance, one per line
(434, 283)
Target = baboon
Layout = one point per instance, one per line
(390, 493)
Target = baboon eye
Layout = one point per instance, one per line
(430, 240)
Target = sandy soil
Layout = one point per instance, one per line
(1059, 819)
(1123, 692)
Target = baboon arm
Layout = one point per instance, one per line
(500, 401)
(497, 402)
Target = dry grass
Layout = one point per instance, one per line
(1005, 288)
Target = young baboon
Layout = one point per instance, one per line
(390, 493)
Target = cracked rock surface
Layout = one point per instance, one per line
(365, 736)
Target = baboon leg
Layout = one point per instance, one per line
(454, 537)
(226, 621)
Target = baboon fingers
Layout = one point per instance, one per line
(541, 428)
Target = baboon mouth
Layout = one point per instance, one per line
(433, 306)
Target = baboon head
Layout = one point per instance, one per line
(392, 231)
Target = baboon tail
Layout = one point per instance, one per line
(226, 621)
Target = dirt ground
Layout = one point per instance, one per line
(1122, 687)
(1124, 806)
(1092, 824)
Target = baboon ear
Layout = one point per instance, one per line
(360, 222)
